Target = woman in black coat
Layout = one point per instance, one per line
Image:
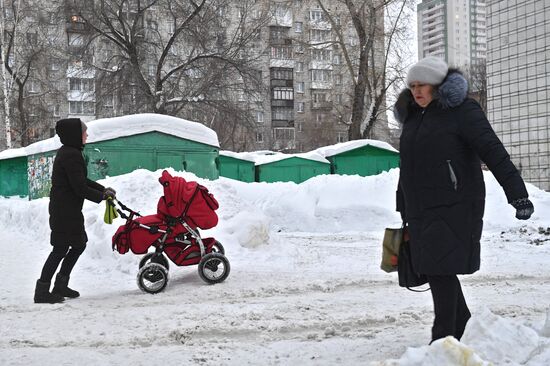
(70, 186)
(441, 192)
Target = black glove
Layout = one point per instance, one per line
(524, 208)
(109, 193)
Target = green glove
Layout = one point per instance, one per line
(110, 211)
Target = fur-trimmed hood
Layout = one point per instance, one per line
(451, 93)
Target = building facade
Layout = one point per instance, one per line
(304, 101)
(452, 30)
(518, 83)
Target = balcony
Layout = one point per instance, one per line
(282, 123)
(282, 103)
(322, 105)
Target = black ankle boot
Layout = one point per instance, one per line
(42, 294)
(61, 287)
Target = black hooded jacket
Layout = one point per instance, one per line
(441, 192)
(70, 186)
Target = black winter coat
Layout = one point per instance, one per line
(70, 187)
(441, 192)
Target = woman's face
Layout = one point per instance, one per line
(422, 93)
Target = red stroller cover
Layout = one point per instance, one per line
(133, 237)
(188, 200)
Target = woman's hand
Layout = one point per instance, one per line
(524, 208)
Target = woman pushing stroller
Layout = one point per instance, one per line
(70, 186)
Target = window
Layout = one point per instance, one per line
(336, 59)
(78, 107)
(282, 113)
(283, 93)
(342, 137)
(321, 55)
(278, 33)
(108, 102)
(321, 75)
(151, 24)
(257, 34)
(86, 85)
(319, 35)
(76, 40)
(299, 66)
(260, 116)
(283, 133)
(316, 15)
(281, 74)
(281, 53)
(151, 70)
(339, 98)
(56, 112)
(33, 86)
(54, 66)
(281, 10)
(259, 137)
(319, 97)
(298, 27)
(339, 79)
(300, 107)
(300, 87)
(32, 38)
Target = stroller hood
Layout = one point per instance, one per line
(187, 200)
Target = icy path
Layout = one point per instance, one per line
(329, 304)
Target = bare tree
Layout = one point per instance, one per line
(380, 26)
(478, 82)
(177, 57)
(27, 45)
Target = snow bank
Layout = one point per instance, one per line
(292, 293)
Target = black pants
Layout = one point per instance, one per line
(69, 254)
(451, 311)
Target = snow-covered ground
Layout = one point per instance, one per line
(305, 286)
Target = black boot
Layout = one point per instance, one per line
(42, 294)
(61, 287)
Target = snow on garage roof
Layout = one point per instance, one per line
(111, 128)
(312, 155)
(351, 145)
(248, 156)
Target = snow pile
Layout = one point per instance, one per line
(488, 340)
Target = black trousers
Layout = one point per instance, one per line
(451, 311)
(67, 253)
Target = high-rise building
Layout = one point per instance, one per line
(452, 30)
(518, 83)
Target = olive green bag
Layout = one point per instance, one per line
(390, 249)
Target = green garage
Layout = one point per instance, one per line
(238, 166)
(295, 168)
(13, 173)
(362, 157)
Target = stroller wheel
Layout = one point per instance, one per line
(214, 268)
(154, 258)
(218, 248)
(152, 278)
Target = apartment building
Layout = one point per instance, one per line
(518, 83)
(454, 30)
(305, 96)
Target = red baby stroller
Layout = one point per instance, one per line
(184, 208)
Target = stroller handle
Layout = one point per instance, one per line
(123, 207)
